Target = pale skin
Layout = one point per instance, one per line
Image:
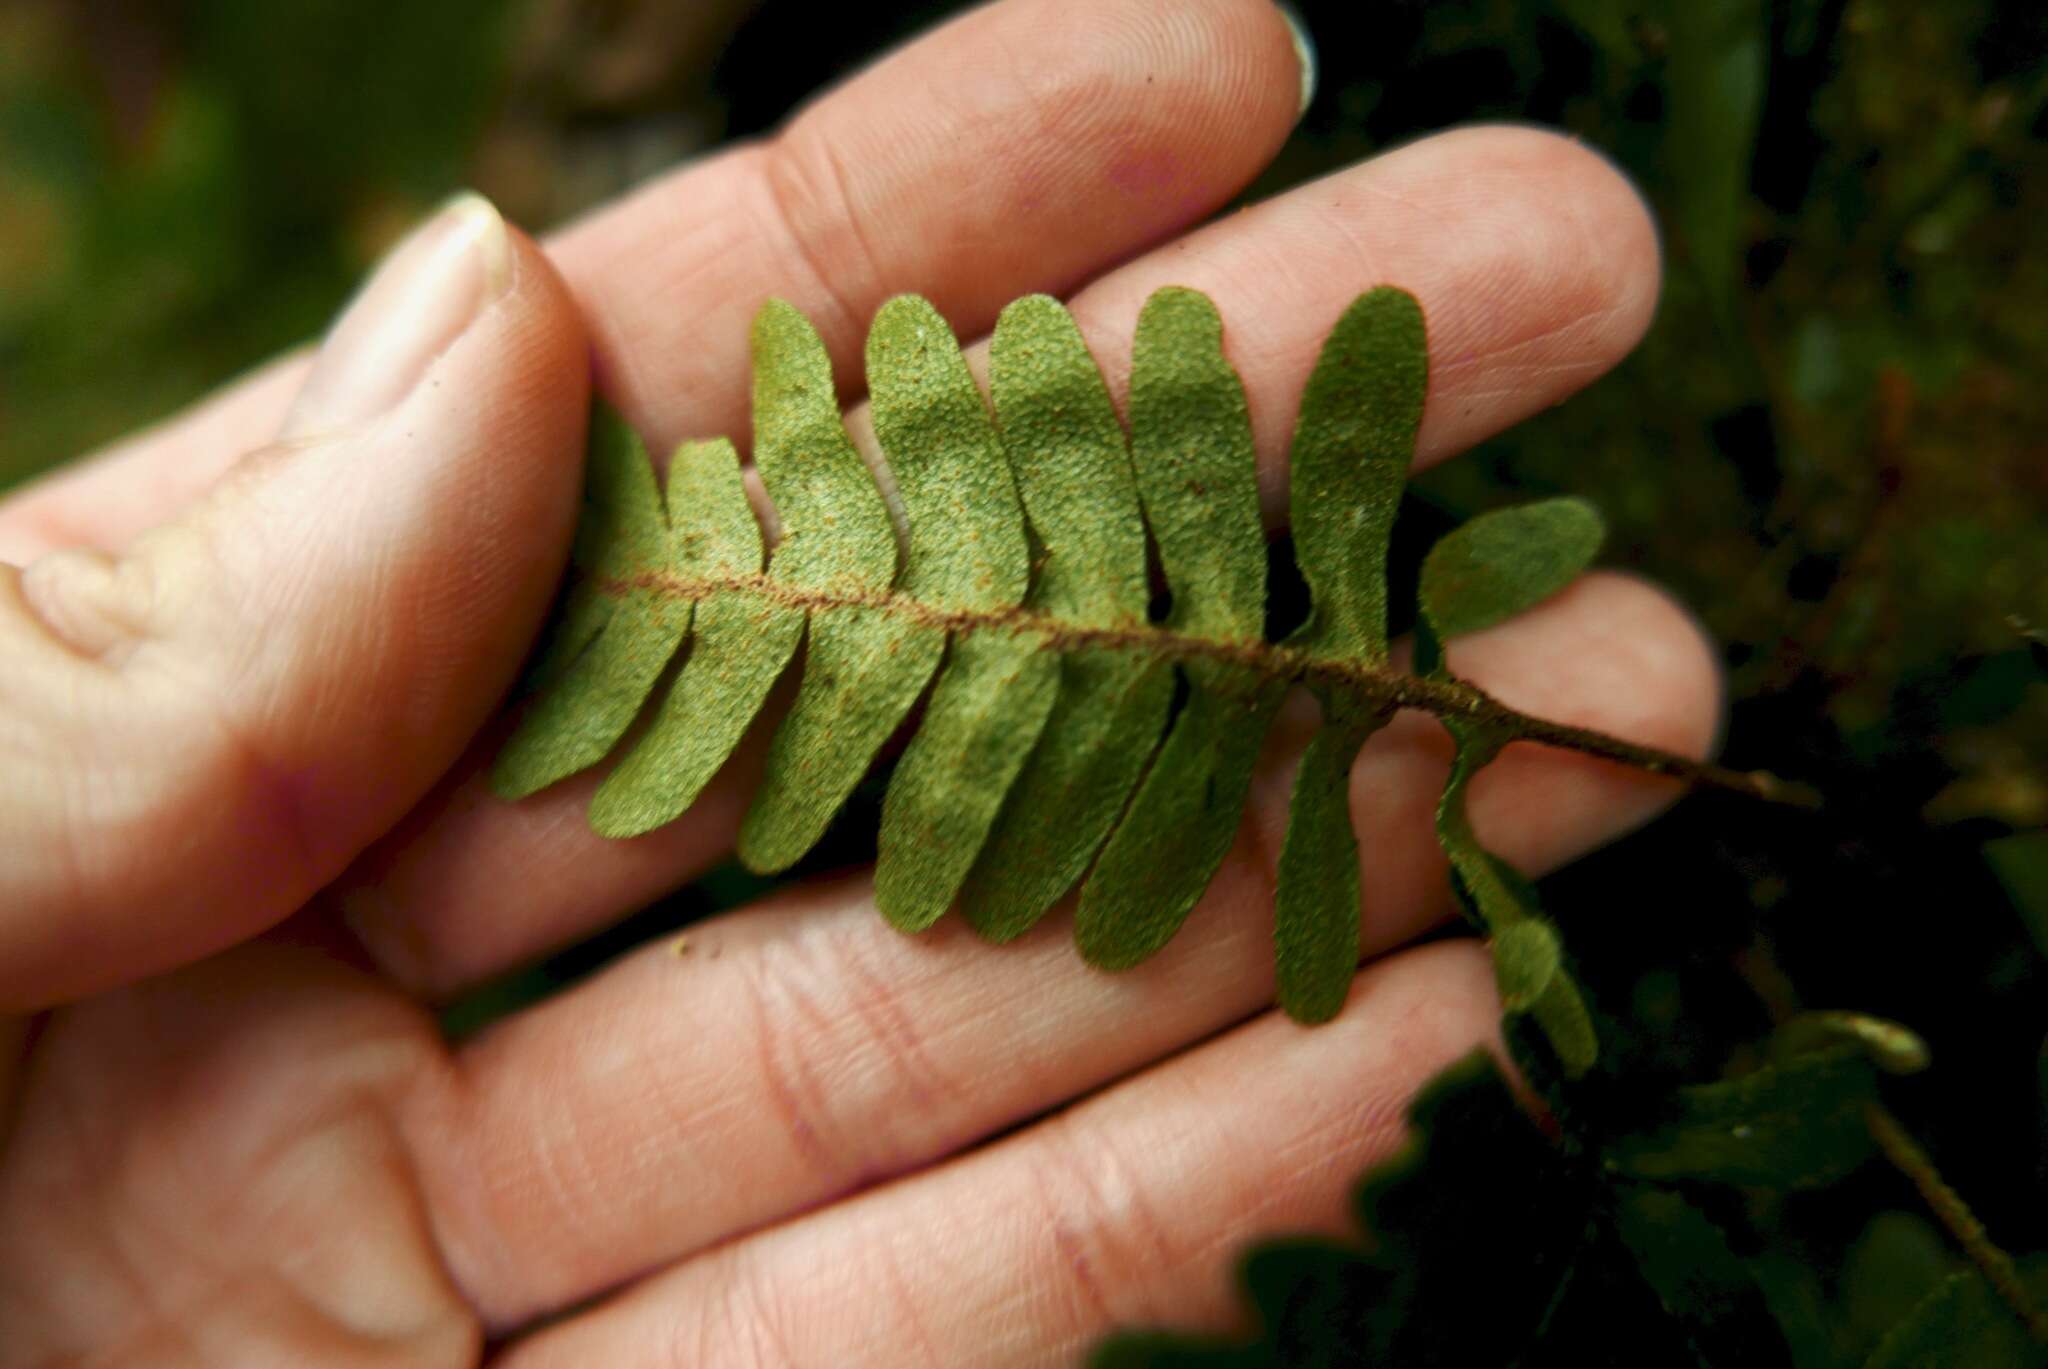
(245, 711)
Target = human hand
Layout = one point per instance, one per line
(235, 875)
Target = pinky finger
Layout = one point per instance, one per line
(1129, 1208)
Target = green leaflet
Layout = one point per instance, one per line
(1527, 960)
(1501, 901)
(862, 669)
(1701, 1282)
(980, 725)
(1352, 444)
(1962, 1324)
(1073, 469)
(1501, 564)
(1197, 470)
(1353, 441)
(1191, 445)
(1315, 913)
(967, 551)
(737, 649)
(604, 665)
(1104, 727)
(836, 532)
(1048, 740)
(1893, 1048)
(1180, 825)
(1789, 1125)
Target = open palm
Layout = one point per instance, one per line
(248, 841)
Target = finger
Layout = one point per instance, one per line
(796, 1051)
(110, 498)
(200, 732)
(1129, 1208)
(1022, 147)
(1537, 267)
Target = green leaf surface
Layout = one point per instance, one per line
(1706, 1288)
(1105, 725)
(738, 648)
(982, 721)
(1527, 960)
(1197, 476)
(1316, 908)
(967, 547)
(1197, 468)
(1792, 1125)
(836, 531)
(1501, 564)
(1353, 441)
(1181, 823)
(604, 669)
(1073, 468)
(1962, 1324)
(1066, 737)
(863, 669)
(584, 611)
(1498, 899)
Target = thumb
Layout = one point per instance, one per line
(196, 734)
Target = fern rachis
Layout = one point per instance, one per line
(1048, 752)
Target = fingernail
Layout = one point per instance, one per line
(430, 288)
(1304, 49)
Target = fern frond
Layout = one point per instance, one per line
(1048, 752)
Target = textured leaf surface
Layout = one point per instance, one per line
(1960, 1325)
(1352, 445)
(1192, 449)
(980, 725)
(1501, 564)
(1790, 1125)
(1067, 736)
(1707, 1289)
(1180, 825)
(607, 663)
(967, 551)
(1353, 440)
(861, 672)
(1501, 901)
(1073, 467)
(1315, 914)
(859, 677)
(863, 669)
(737, 649)
(1104, 727)
(1073, 470)
(1197, 468)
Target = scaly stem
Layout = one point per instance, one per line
(1911, 1160)
(1376, 684)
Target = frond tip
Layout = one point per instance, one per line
(1049, 752)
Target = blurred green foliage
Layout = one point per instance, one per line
(1831, 445)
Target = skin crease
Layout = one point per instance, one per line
(232, 1134)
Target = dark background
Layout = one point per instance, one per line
(1831, 444)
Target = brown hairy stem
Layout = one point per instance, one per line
(1377, 684)
(1908, 1157)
